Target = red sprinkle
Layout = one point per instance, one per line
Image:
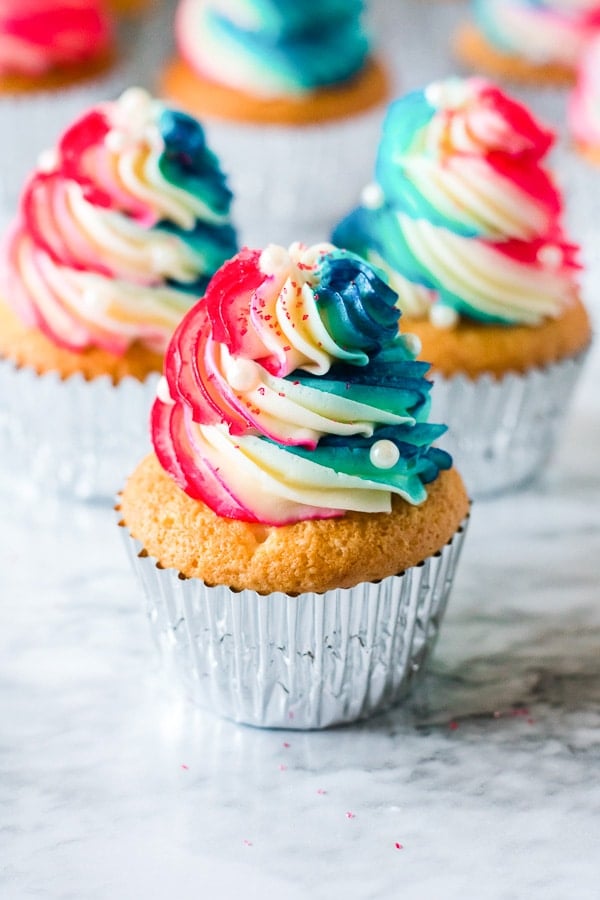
(350, 815)
(183, 766)
(398, 846)
(321, 792)
(453, 725)
(286, 745)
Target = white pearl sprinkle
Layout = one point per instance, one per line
(550, 256)
(384, 454)
(162, 391)
(273, 259)
(48, 160)
(443, 316)
(372, 196)
(243, 375)
(413, 343)
(115, 141)
(134, 100)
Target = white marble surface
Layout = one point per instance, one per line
(112, 786)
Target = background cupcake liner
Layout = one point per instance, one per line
(294, 183)
(501, 433)
(76, 437)
(35, 120)
(302, 662)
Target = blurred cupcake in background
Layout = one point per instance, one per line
(292, 96)
(584, 104)
(296, 531)
(466, 221)
(56, 56)
(118, 231)
(536, 42)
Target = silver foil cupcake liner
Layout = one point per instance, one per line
(502, 433)
(294, 183)
(75, 437)
(303, 662)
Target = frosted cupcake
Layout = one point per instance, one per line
(118, 232)
(292, 96)
(466, 222)
(55, 58)
(584, 104)
(532, 41)
(295, 530)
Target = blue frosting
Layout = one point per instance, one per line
(353, 299)
(305, 48)
(404, 122)
(189, 165)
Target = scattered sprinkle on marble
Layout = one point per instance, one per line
(350, 815)
(183, 766)
(286, 745)
(282, 768)
(247, 843)
(398, 845)
(453, 725)
(321, 792)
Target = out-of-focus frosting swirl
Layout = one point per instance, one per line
(542, 31)
(289, 394)
(464, 218)
(272, 47)
(37, 36)
(584, 102)
(119, 229)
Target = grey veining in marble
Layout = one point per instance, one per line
(113, 786)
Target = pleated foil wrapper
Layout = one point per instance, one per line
(73, 437)
(295, 183)
(503, 432)
(303, 662)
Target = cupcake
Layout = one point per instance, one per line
(118, 231)
(55, 57)
(531, 41)
(584, 104)
(292, 96)
(466, 222)
(295, 531)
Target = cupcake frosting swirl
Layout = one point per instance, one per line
(584, 102)
(464, 218)
(542, 31)
(37, 36)
(119, 228)
(289, 394)
(272, 47)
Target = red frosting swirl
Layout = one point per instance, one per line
(38, 36)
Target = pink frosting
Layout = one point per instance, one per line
(37, 36)
(584, 103)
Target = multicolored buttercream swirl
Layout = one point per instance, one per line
(38, 36)
(463, 218)
(584, 102)
(288, 393)
(541, 31)
(272, 47)
(119, 229)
